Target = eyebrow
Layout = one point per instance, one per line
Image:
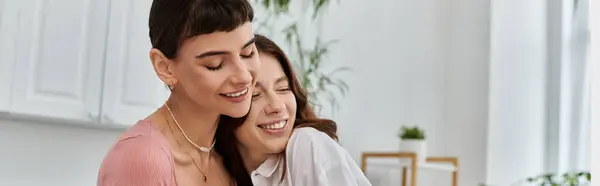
(214, 53)
(279, 80)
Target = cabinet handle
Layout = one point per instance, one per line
(107, 119)
(93, 115)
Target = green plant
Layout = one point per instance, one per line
(551, 179)
(566, 179)
(308, 61)
(412, 133)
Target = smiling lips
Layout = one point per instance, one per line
(274, 128)
(237, 96)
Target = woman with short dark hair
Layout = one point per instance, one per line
(204, 51)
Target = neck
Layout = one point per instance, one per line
(252, 159)
(198, 124)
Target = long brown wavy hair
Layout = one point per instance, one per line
(226, 142)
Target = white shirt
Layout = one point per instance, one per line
(312, 158)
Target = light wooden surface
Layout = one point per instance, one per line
(413, 164)
(451, 160)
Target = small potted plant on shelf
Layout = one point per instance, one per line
(412, 139)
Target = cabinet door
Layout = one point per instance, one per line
(8, 18)
(59, 58)
(131, 88)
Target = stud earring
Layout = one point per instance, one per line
(170, 85)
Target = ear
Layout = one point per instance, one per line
(163, 67)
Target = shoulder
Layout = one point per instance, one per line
(138, 158)
(142, 138)
(321, 147)
(314, 158)
(309, 133)
(137, 149)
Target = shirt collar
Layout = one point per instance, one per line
(267, 168)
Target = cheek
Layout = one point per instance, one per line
(253, 65)
(290, 103)
(204, 82)
(248, 134)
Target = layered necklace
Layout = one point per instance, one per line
(200, 148)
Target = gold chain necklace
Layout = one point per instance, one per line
(203, 149)
(204, 178)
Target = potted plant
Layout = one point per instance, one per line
(412, 139)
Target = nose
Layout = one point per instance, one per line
(241, 73)
(274, 105)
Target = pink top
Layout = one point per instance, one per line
(141, 157)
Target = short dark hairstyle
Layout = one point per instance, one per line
(173, 21)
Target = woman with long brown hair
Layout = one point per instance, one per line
(281, 141)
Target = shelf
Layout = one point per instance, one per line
(431, 166)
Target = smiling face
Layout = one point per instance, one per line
(215, 71)
(270, 121)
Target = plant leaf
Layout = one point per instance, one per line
(289, 32)
(340, 69)
(412, 133)
(341, 89)
(282, 6)
(318, 5)
(266, 4)
(588, 176)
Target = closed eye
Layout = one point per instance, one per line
(249, 55)
(215, 68)
(256, 96)
(286, 89)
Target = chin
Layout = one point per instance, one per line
(237, 112)
(277, 148)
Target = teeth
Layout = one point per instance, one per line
(237, 93)
(275, 126)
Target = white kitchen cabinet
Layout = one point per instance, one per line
(8, 18)
(59, 57)
(131, 88)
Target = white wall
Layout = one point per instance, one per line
(516, 132)
(415, 63)
(51, 154)
(396, 78)
(595, 73)
(595, 57)
(470, 72)
(466, 81)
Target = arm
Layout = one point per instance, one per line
(316, 159)
(137, 161)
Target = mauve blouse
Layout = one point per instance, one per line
(141, 157)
